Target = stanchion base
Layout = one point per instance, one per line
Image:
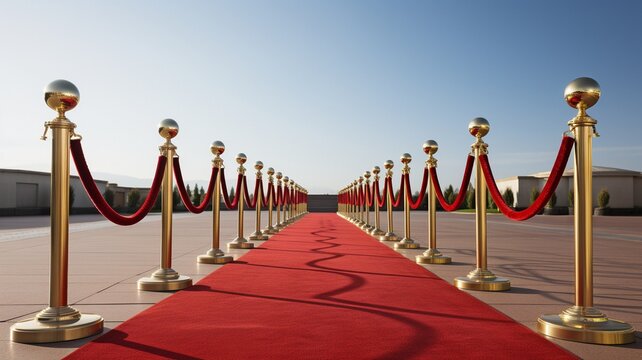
(433, 259)
(406, 245)
(159, 284)
(243, 245)
(270, 230)
(208, 259)
(479, 284)
(33, 331)
(258, 237)
(587, 330)
(376, 232)
(389, 237)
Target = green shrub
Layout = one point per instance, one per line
(109, 197)
(603, 198)
(470, 197)
(133, 199)
(508, 196)
(534, 194)
(72, 197)
(571, 198)
(552, 201)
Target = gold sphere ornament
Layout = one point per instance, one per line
(360, 179)
(279, 175)
(168, 128)
(270, 171)
(583, 89)
(286, 179)
(405, 158)
(61, 95)
(430, 147)
(478, 127)
(241, 158)
(217, 147)
(258, 165)
(376, 170)
(366, 175)
(355, 182)
(388, 164)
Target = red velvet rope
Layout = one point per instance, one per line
(258, 184)
(396, 202)
(180, 185)
(279, 195)
(462, 189)
(360, 196)
(226, 198)
(551, 184)
(424, 183)
(286, 196)
(270, 194)
(369, 196)
(99, 201)
(381, 198)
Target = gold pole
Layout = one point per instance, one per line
(286, 207)
(390, 235)
(366, 224)
(240, 242)
(481, 278)
(279, 224)
(293, 205)
(359, 185)
(376, 229)
(582, 322)
(258, 234)
(432, 255)
(407, 242)
(270, 229)
(59, 321)
(215, 255)
(166, 278)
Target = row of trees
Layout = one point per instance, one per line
(134, 198)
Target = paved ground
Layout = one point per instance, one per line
(106, 260)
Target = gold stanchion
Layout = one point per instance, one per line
(215, 255)
(366, 224)
(432, 255)
(375, 230)
(481, 278)
(360, 207)
(166, 278)
(390, 235)
(258, 234)
(59, 321)
(407, 242)
(270, 229)
(286, 207)
(582, 322)
(240, 242)
(293, 204)
(279, 225)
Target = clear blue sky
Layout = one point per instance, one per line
(321, 90)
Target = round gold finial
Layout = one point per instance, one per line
(583, 89)
(430, 147)
(405, 158)
(360, 179)
(388, 164)
(286, 179)
(355, 182)
(366, 175)
(376, 170)
(168, 128)
(478, 127)
(270, 171)
(217, 147)
(279, 175)
(258, 165)
(61, 95)
(241, 158)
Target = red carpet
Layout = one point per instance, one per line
(322, 289)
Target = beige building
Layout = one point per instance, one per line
(624, 187)
(24, 192)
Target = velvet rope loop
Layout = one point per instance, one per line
(396, 202)
(414, 204)
(381, 198)
(462, 189)
(279, 195)
(226, 198)
(549, 188)
(180, 185)
(99, 201)
(251, 202)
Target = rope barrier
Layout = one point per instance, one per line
(462, 189)
(99, 201)
(234, 203)
(424, 183)
(396, 202)
(258, 187)
(549, 188)
(180, 185)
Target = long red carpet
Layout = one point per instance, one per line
(321, 289)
